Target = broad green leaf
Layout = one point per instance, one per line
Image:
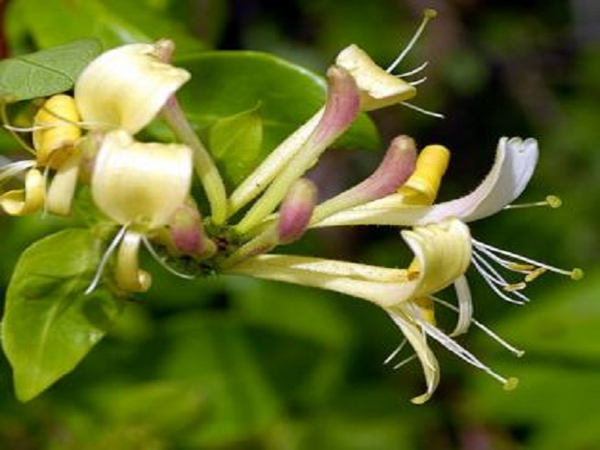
(49, 323)
(114, 22)
(235, 143)
(46, 72)
(227, 82)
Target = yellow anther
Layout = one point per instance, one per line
(577, 274)
(511, 383)
(515, 287)
(56, 131)
(534, 274)
(423, 185)
(427, 309)
(430, 13)
(521, 267)
(553, 201)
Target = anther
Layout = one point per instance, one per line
(552, 201)
(515, 287)
(511, 383)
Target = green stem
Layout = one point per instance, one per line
(203, 164)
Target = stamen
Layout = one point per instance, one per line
(553, 201)
(414, 71)
(483, 328)
(428, 14)
(404, 362)
(515, 287)
(482, 267)
(418, 82)
(422, 110)
(534, 274)
(463, 353)
(395, 352)
(107, 254)
(164, 263)
(575, 273)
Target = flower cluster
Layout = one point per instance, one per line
(144, 189)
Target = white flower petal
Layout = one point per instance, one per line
(125, 88)
(140, 183)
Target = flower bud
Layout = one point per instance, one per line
(378, 88)
(126, 87)
(296, 211)
(56, 131)
(140, 183)
(187, 231)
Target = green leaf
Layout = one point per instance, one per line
(50, 324)
(227, 82)
(46, 72)
(235, 143)
(114, 22)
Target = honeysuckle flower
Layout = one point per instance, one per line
(56, 135)
(442, 252)
(376, 88)
(140, 186)
(126, 87)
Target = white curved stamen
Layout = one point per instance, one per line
(163, 263)
(483, 328)
(520, 259)
(396, 351)
(427, 16)
(493, 282)
(405, 361)
(414, 71)
(107, 254)
(418, 82)
(422, 110)
(13, 169)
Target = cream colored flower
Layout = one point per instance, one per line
(140, 186)
(125, 88)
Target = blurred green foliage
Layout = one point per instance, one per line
(238, 364)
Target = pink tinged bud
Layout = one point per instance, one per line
(296, 211)
(396, 167)
(342, 107)
(187, 231)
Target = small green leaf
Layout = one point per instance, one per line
(235, 143)
(46, 72)
(50, 324)
(227, 82)
(114, 22)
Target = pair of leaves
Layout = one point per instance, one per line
(50, 324)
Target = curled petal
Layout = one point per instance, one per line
(515, 162)
(378, 88)
(128, 274)
(62, 188)
(141, 183)
(26, 201)
(126, 87)
(513, 168)
(443, 252)
(418, 340)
